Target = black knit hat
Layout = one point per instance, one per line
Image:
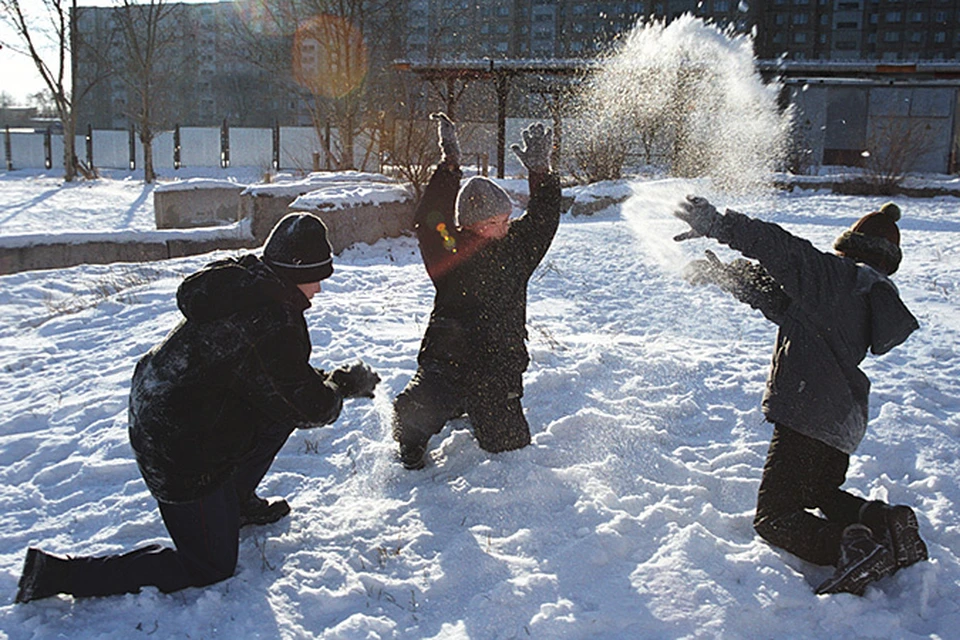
(298, 249)
(874, 239)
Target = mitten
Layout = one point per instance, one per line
(355, 380)
(538, 144)
(705, 271)
(447, 132)
(703, 218)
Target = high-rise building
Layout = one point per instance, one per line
(228, 63)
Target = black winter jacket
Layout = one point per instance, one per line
(830, 311)
(236, 365)
(477, 329)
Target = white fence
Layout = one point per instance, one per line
(299, 148)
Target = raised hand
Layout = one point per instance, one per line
(538, 144)
(447, 132)
(703, 218)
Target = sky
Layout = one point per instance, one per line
(629, 516)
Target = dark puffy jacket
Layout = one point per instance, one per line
(830, 312)
(478, 325)
(236, 365)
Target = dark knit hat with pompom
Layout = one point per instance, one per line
(874, 239)
(298, 249)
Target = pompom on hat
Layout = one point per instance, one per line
(874, 239)
(480, 199)
(297, 248)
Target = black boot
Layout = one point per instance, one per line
(44, 575)
(897, 527)
(257, 510)
(862, 560)
(412, 456)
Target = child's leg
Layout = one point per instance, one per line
(500, 427)
(421, 410)
(802, 473)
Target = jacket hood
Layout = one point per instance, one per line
(227, 286)
(890, 321)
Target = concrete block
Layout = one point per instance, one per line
(200, 203)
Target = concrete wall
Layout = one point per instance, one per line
(206, 207)
(59, 255)
(366, 223)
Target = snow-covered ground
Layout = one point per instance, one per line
(628, 517)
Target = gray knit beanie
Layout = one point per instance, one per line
(479, 199)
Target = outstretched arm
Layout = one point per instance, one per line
(538, 225)
(748, 281)
(434, 217)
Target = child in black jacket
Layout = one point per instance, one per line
(473, 353)
(210, 408)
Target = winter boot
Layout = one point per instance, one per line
(862, 560)
(44, 575)
(897, 527)
(412, 456)
(257, 510)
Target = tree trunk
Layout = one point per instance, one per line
(68, 119)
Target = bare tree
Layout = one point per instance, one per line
(894, 147)
(47, 36)
(334, 56)
(145, 32)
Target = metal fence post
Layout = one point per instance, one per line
(89, 140)
(8, 147)
(47, 151)
(224, 145)
(133, 149)
(176, 147)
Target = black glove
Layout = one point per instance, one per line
(355, 380)
(538, 144)
(447, 132)
(703, 218)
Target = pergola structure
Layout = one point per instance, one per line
(501, 73)
(559, 73)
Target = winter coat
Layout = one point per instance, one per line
(235, 366)
(830, 310)
(477, 329)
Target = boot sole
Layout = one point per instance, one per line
(856, 577)
(905, 536)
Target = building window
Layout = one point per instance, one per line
(874, 18)
(800, 38)
(916, 16)
(847, 25)
(721, 6)
(915, 36)
(845, 46)
(940, 37)
(800, 18)
(894, 16)
(781, 18)
(891, 36)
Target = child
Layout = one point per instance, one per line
(210, 408)
(830, 309)
(473, 354)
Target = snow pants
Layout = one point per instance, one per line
(803, 473)
(205, 535)
(438, 393)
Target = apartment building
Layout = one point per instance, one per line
(224, 64)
